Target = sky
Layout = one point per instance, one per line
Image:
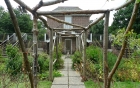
(83, 4)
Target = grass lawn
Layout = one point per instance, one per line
(91, 84)
(41, 84)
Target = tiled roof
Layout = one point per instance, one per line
(70, 8)
(66, 8)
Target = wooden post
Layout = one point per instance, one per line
(51, 56)
(84, 55)
(57, 46)
(80, 44)
(17, 30)
(35, 48)
(105, 47)
(76, 43)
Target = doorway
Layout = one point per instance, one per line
(68, 45)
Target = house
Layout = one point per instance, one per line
(68, 42)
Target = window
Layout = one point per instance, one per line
(68, 19)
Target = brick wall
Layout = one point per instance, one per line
(55, 24)
(82, 20)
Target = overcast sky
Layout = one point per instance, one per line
(83, 4)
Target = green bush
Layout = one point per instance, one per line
(45, 75)
(76, 58)
(60, 62)
(43, 62)
(94, 54)
(14, 61)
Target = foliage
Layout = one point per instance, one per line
(95, 54)
(94, 61)
(131, 66)
(14, 61)
(138, 1)
(45, 75)
(122, 17)
(98, 28)
(60, 62)
(91, 83)
(43, 62)
(76, 58)
(133, 41)
(24, 21)
(41, 30)
(92, 53)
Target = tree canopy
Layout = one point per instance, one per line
(122, 17)
(98, 28)
(24, 20)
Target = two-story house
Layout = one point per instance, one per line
(69, 42)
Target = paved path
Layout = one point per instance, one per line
(70, 78)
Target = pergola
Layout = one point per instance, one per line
(40, 14)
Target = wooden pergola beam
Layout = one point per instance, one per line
(41, 3)
(122, 6)
(67, 34)
(71, 12)
(62, 21)
(63, 29)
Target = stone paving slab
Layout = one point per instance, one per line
(60, 80)
(70, 78)
(77, 86)
(64, 73)
(59, 86)
(73, 73)
(75, 80)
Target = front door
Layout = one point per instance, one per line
(68, 44)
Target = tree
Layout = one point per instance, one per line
(98, 28)
(6, 26)
(122, 17)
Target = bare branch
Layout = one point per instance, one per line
(88, 12)
(41, 3)
(22, 4)
(96, 21)
(61, 21)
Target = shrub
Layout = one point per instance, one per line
(95, 61)
(128, 70)
(45, 75)
(76, 58)
(43, 62)
(94, 54)
(60, 62)
(14, 61)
